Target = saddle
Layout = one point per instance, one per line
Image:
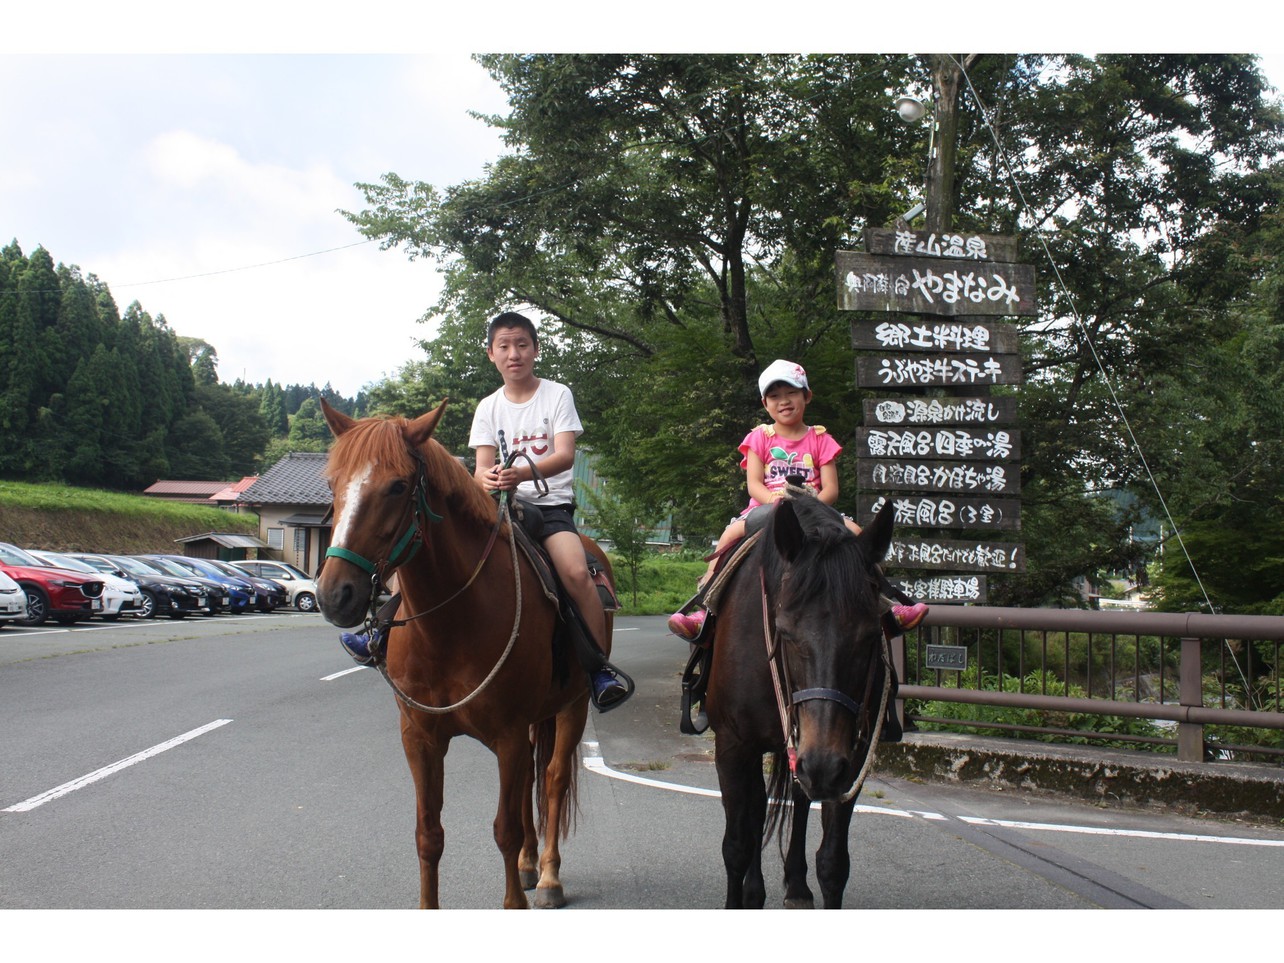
(528, 525)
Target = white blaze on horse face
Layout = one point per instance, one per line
(351, 503)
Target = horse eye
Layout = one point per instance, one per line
(399, 487)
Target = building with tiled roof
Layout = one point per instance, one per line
(194, 492)
(292, 500)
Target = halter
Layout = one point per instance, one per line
(411, 540)
(788, 716)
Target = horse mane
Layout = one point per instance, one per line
(382, 441)
(833, 567)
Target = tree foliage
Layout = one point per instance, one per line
(90, 397)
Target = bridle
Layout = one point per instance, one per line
(380, 619)
(788, 708)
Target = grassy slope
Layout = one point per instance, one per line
(60, 518)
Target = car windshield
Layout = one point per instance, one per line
(170, 568)
(66, 561)
(12, 555)
(137, 566)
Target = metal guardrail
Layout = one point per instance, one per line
(1102, 652)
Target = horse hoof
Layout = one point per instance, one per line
(806, 903)
(528, 878)
(550, 897)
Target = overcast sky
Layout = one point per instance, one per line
(205, 185)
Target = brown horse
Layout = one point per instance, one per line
(798, 671)
(473, 650)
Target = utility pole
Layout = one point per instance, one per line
(947, 73)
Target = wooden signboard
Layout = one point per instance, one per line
(955, 556)
(940, 411)
(939, 286)
(938, 589)
(994, 444)
(938, 476)
(990, 337)
(972, 247)
(943, 511)
(945, 370)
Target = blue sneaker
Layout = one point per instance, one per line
(361, 647)
(608, 690)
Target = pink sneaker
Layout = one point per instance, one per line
(686, 626)
(908, 616)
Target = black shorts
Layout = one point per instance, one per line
(558, 518)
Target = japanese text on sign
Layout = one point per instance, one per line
(915, 511)
(941, 411)
(944, 588)
(940, 443)
(969, 556)
(939, 476)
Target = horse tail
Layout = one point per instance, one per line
(544, 736)
(780, 798)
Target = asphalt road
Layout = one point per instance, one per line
(243, 762)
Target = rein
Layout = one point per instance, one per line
(780, 681)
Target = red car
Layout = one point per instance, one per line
(57, 593)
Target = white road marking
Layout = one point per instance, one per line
(336, 675)
(70, 787)
(594, 762)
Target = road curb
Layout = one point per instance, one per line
(1113, 777)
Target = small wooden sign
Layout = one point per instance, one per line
(943, 589)
(989, 444)
(942, 511)
(983, 337)
(938, 476)
(945, 658)
(955, 556)
(942, 286)
(940, 411)
(970, 247)
(937, 370)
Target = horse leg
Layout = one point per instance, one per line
(514, 755)
(833, 862)
(559, 799)
(426, 757)
(798, 894)
(744, 804)
(527, 866)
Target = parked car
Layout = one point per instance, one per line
(302, 589)
(240, 593)
(218, 595)
(13, 600)
(52, 593)
(120, 595)
(174, 598)
(268, 594)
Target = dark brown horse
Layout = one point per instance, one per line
(798, 671)
(471, 652)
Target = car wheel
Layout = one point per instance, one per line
(306, 602)
(37, 607)
(148, 611)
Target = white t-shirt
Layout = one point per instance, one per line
(531, 427)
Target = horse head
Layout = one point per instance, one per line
(828, 631)
(377, 475)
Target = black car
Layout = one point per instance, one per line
(217, 594)
(162, 595)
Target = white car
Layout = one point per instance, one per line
(302, 589)
(13, 600)
(120, 595)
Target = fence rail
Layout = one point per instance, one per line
(1166, 667)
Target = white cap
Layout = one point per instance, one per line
(780, 370)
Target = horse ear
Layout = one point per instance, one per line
(787, 530)
(337, 420)
(421, 428)
(878, 534)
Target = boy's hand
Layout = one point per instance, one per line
(500, 479)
